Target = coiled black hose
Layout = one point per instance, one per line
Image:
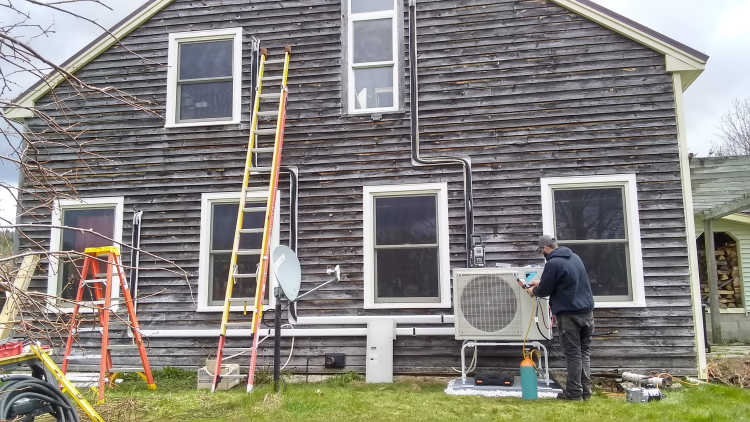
(21, 387)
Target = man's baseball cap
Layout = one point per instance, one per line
(547, 241)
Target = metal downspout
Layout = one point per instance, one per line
(415, 158)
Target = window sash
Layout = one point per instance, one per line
(632, 261)
(406, 246)
(212, 300)
(175, 83)
(358, 17)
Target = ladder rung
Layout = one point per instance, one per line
(95, 281)
(251, 231)
(103, 275)
(244, 252)
(88, 329)
(126, 369)
(245, 276)
(83, 357)
(275, 61)
(239, 325)
(259, 150)
(271, 78)
(276, 97)
(260, 169)
(265, 131)
(97, 302)
(237, 349)
(122, 346)
(254, 209)
(267, 113)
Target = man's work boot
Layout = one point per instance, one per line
(565, 396)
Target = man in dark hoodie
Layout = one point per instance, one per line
(565, 281)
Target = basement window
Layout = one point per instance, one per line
(104, 217)
(372, 45)
(597, 218)
(204, 78)
(218, 224)
(406, 246)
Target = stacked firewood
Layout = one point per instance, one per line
(728, 275)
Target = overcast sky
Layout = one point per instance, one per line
(720, 29)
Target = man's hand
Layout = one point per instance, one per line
(530, 290)
(534, 283)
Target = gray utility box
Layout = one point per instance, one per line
(379, 355)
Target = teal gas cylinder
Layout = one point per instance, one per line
(529, 389)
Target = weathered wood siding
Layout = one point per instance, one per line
(526, 88)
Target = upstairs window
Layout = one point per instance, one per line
(372, 51)
(204, 79)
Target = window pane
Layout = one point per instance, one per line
(607, 268)
(364, 6)
(219, 271)
(210, 100)
(373, 41)
(100, 220)
(406, 220)
(582, 214)
(205, 60)
(407, 273)
(373, 87)
(224, 222)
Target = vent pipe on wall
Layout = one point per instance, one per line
(420, 161)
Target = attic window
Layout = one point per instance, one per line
(372, 51)
(204, 78)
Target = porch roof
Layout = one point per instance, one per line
(721, 185)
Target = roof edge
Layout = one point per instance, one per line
(26, 100)
(635, 31)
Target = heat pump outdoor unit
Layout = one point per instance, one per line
(491, 305)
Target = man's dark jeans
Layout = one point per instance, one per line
(575, 336)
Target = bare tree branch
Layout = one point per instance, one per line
(734, 130)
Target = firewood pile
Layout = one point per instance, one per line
(728, 275)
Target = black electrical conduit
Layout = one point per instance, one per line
(415, 158)
(24, 391)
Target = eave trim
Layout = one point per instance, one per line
(27, 101)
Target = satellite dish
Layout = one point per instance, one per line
(287, 270)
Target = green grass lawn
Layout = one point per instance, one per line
(410, 400)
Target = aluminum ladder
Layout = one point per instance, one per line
(261, 275)
(101, 303)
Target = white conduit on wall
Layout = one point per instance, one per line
(301, 332)
(332, 332)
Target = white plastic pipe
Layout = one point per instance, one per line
(301, 332)
(400, 319)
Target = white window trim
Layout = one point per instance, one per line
(213, 35)
(56, 238)
(628, 182)
(205, 238)
(351, 18)
(370, 192)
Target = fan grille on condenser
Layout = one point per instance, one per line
(488, 302)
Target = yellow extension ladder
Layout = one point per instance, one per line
(262, 270)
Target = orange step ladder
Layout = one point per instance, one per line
(101, 285)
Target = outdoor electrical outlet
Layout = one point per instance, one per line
(335, 360)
